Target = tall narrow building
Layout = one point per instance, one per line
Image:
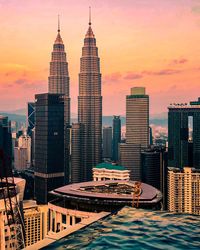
(59, 84)
(49, 144)
(90, 105)
(116, 137)
(137, 131)
(107, 142)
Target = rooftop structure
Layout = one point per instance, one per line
(107, 171)
(110, 166)
(106, 195)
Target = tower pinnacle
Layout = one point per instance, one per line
(90, 16)
(58, 23)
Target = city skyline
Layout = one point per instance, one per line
(155, 43)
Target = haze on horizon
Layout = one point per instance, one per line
(149, 43)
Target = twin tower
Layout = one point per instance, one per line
(81, 142)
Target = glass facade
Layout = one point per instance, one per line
(49, 144)
(184, 136)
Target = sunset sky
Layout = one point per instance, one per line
(151, 43)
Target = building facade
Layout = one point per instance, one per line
(20, 158)
(30, 117)
(5, 144)
(154, 163)
(35, 221)
(107, 171)
(107, 142)
(184, 190)
(24, 141)
(90, 105)
(130, 158)
(137, 131)
(59, 84)
(184, 135)
(116, 137)
(49, 144)
(137, 117)
(76, 153)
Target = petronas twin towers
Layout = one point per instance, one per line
(88, 149)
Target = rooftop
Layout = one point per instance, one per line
(111, 190)
(110, 166)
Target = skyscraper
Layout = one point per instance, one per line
(90, 105)
(116, 137)
(154, 169)
(49, 144)
(31, 129)
(76, 153)
(137, 117)
(5, 145)
(137, 131)
(59, 76)
(184, 135)
(107, 142)
(59, 84)
(184, 190)
(31, 117)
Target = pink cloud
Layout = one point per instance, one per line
(179, 61)
(132, 76)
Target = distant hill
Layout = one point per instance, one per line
(15, 117)
(158, 120)
(15, 112)
(162, 121)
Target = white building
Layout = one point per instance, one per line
(22, 153)
(24, 141)
(35, 221)
(184, 190)
(107, 171)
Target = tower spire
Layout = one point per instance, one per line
(90, 16)
(58, 23)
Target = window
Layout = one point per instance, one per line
(64, 219)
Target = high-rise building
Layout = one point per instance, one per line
(49, 144)
(90, 105)
(116, 137)
(22, 153)
(20, 158)
(137, 131)
(184, 135)
(4, 121)
(76, 153)
(31, 130)
(31, 117)
(59, 76)
(154, 169)
(6, 143)
(184, 190)
(130, 158)
(150, 136)
(137, 117)
(107, 142)
(24, 141)
(59, 84)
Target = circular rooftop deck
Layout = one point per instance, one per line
(109, 190)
